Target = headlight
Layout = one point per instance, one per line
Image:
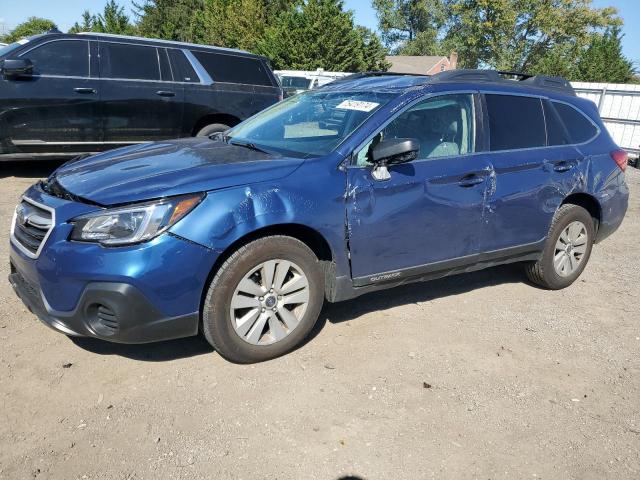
(133, 223)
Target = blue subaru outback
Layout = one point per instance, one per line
(370, 182)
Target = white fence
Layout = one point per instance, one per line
(619, 107)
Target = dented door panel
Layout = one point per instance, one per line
(428, 211)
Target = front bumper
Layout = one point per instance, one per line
(134, 294)
(117, 312)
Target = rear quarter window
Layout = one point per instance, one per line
(515, 122)
(580, 128)
(234, 68)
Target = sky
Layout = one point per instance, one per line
(66, 12)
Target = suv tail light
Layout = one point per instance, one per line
(620, 157)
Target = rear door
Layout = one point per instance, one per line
(57, 109)
(140, 99)
(529, 155)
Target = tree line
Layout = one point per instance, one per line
(570, 38)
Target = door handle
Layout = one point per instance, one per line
(470, 180)
(84, 90)
(165, 93)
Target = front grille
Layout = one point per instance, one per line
(31, 226)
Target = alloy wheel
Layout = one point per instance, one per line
(570, 249)
(269, 302)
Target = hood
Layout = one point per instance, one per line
(167, 168)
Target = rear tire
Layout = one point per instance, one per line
(567, 249)
(264, 300)
(211, 129)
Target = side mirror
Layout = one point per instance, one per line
(390, 152)
(16, 67)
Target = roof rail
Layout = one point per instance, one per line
(159, 40)
(356, 76)
(499, 76)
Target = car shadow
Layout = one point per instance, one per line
(29, 168)
(147, 352)
(332, 312)
(417, 293)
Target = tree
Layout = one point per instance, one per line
(32, 26)
(373, 52)
(181, 20)
(402, 21)
(111, 20)
(603, 60)
(317, 34)
(537, 36)
(524, 35)
(86, 25)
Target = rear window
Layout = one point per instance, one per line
(234, 68)
(69, 58)
(579, 127)
(515, 122)
(182, 69)
(136, 62)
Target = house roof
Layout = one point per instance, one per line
(413, 63)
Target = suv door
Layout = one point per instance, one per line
(526, 164)
(56, 109)
(427, 216)
(141, 102)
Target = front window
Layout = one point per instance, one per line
(443, 126)
(67, 58)
(309, 124)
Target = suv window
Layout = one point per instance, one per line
(233, 68)
(183, 71)
(69, 58)
(138, 62)
(556, 131)
(579, 127)
(515, 122)
(443, 125)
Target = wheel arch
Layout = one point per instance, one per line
(307, 235)
(210, 118)
(589, 203)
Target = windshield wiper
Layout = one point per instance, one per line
(251, 146)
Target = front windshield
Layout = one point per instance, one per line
(295, 82)
(311, 123)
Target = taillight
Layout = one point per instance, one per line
(620, 157)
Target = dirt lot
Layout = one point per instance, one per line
(475, 376)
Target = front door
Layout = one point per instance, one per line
(57, 108)
(428, 214)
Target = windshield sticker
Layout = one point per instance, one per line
(22, 41)
(357, 105)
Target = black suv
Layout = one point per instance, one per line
(62, 94)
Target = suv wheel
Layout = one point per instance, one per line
(211, 129)
(264, 300)
(567, 249)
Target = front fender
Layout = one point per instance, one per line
(226, 216)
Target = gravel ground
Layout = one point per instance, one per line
(475, 376)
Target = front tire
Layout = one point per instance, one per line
(264, 300)
(567, 249)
